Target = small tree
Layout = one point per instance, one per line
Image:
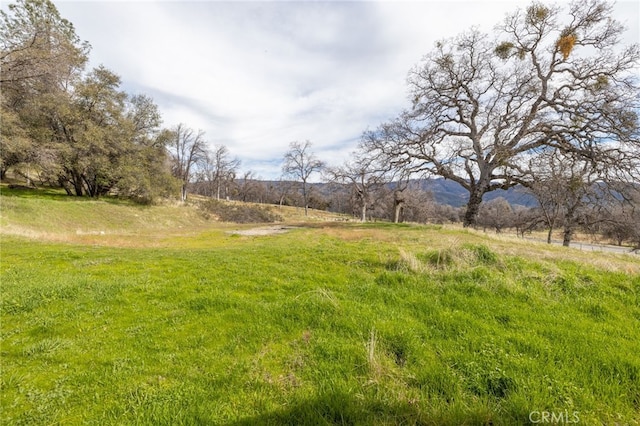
(497, 214)
(402, 196)
(525, 219)
(277, 192)
(621, 222)
(364, 176)
(249, 188)
(565, 186)
(187, 150)
(413, 204)
(225, 168)
(217, 171)
(300, 163)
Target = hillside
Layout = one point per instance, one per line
(114, 313)
(50, 215)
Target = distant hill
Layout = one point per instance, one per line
(445, 191)
(453, 194)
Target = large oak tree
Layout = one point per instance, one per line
(484, 104)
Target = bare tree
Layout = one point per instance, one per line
(497, 214)
(300, 163)
(621, 222)
(364, 176)
(482, 105)
(225, 168)
(396, 175)
(525, 220)
(565, 186)
(413, 204)
(249, 188)
(401, 180)
(187, 150)
(277, 192)
(217, 171)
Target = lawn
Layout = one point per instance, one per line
(329, 323)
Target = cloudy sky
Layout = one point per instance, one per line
(256, 76)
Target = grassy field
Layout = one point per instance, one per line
(113, 313)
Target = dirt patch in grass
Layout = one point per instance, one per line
(230, 211)
(264, 230)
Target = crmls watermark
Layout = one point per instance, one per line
(558, 417)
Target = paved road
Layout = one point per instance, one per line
(591, 247)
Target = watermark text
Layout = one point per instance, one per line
(557, 417)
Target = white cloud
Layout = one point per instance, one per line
(258, 75)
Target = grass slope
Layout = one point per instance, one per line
(326, 324)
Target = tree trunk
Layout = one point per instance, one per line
(473, 207)
(549, 235)
(304, 197)
(397, 211)
(183, 192)
(566, 235)
(65, 185)
(569, 225)
(363, 212)
(90, 185)
(77, 184)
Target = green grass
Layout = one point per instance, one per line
(52, 215)
(328, 324)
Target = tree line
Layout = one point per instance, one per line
(67, 126)
(547, 101)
